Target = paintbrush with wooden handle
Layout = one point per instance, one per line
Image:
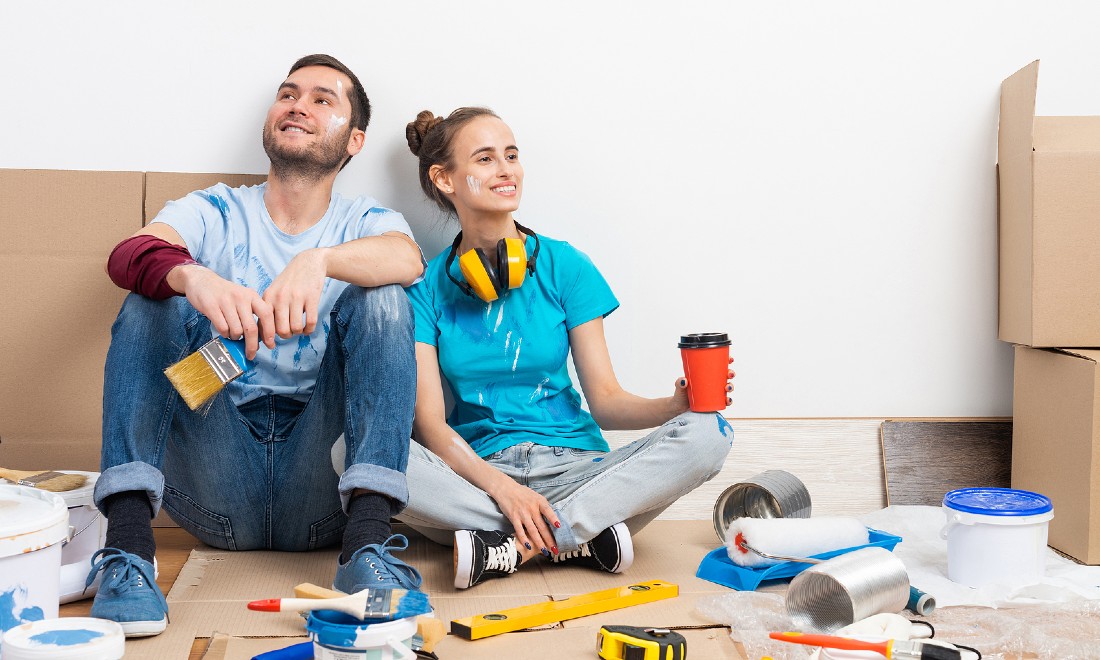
(51, 480)
(366, 604)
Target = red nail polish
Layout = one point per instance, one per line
(554, 549)
(557, 525)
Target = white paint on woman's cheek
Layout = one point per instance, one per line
(474, 184)
(336, 123)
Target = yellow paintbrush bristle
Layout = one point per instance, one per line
(194, 379)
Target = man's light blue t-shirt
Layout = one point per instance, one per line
(229, 231)
(506, 361)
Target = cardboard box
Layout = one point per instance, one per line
(59, 305)
(58, 229)
(1049, 190)
(1056, 442)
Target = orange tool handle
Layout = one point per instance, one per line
(833, 642)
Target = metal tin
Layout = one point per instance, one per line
(848, 588)
(770, 494)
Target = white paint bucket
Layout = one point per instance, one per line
(338, 636)
(69, 638)
(996, 535)
(33, 525)
(89, 534)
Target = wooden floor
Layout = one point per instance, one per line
(173, 548)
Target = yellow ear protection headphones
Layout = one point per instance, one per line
(487, 278)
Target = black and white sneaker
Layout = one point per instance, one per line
(480, 556)
(611, 551)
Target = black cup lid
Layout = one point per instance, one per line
(704, 340)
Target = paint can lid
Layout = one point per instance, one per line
(997, 501)
(65, 638)
(704, 340)
(343, 631)
(30, 519)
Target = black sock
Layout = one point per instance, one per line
(130, 523)
(368, 522)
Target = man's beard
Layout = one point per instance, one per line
(312, 162)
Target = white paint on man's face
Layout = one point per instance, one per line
(335, 123)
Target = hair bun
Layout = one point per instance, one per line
(418, 128)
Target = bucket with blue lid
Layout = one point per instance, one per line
(996, 536)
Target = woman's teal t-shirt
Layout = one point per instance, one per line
(506, 361)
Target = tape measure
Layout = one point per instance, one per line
(633, 643)
(540, 614)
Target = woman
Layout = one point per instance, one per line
(519, 469)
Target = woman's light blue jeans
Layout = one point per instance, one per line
(589, 490)
(260, 476)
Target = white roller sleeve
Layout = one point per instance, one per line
(791, 537)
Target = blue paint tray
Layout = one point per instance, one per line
(716, 566)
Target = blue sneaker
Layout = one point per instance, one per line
(374, 567)
(128, 593)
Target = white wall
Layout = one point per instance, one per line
(815, 178)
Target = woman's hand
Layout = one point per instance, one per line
(680, 394)
(529, 514)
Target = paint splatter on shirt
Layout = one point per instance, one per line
(506, 362)
(229, 231)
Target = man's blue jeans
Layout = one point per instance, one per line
(260, 476)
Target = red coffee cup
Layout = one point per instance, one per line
(706, 358)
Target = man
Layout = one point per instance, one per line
(316, 279)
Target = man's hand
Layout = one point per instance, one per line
(235, 311)
(296, 292)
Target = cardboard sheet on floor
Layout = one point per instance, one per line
(713, 644)
(209, 597)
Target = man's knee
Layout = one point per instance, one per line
(383, 308)
(138, 313)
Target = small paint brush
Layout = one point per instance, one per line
(53, 481)
(200, 376)
(366, 604)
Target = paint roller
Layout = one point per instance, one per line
(768, 541)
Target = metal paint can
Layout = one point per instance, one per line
(770, 494)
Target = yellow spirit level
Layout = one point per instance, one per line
(633, 643)
(539, 614)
